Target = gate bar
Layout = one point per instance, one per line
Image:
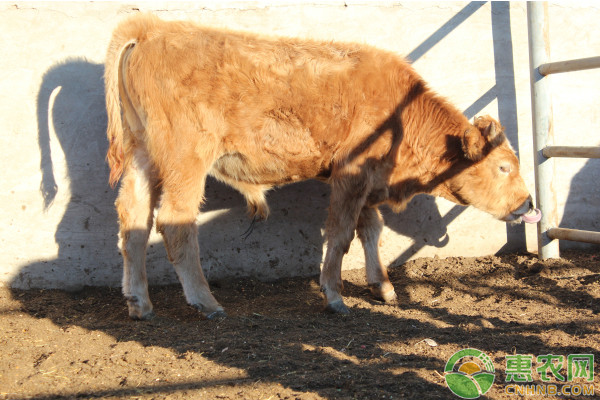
(569, 65)
(543, 133)
(576, 235)
(539, 50)
(572, 151)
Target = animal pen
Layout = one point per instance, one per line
(543, 132)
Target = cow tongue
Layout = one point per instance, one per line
(532, 216)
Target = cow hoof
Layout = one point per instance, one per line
(219, 314)
(144, 317)
(216, 314)
(138, 309)
(384, 292)
(337, 307)
(390, 297)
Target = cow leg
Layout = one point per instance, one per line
(369, 227)
(135, 205)
(176, 222)
(341, 223)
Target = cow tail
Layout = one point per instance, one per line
(117, 100)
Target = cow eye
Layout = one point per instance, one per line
(505, 168)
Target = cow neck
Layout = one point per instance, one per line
(430, 146)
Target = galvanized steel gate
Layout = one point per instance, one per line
(548, 231)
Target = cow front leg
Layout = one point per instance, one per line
(135, 205)
(341, 223)
(176, 222)
(369, 227)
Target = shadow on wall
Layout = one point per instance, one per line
(71, 98)
(291, 239)
(505, 92)
(582, 209)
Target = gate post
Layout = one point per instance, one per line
(543, 130)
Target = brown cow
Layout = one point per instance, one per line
(185, 102)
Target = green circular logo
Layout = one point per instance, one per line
(470, 378)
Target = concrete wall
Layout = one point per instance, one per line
(58, 225)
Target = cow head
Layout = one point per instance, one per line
(488, 177)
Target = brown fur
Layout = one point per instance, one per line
(185, 101)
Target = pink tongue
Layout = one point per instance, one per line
(531, 218)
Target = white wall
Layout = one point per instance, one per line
(58, 224)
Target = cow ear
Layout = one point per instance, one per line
(486, 125)
(473, 144)
(491, 130)
(484, 135)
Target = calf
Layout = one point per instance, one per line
(185, 102)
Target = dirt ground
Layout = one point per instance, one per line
(276, 342)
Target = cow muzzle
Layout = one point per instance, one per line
(525, 212)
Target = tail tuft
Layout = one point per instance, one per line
(114, 156)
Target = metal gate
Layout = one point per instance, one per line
(539, 49)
